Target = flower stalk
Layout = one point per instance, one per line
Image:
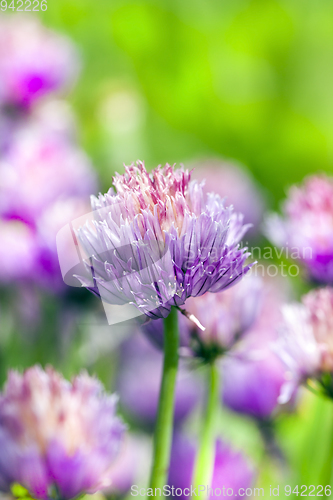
(204, 466)
(164, 422)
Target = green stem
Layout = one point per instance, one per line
(164, 422)
(327, 471)
(203, 471)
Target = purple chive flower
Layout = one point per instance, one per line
(305, 230)
(45, 180)
(254, 374)
(231, 469)
(226, 317)
(34, 61)
(139, 382)
(253, 386)
(234, 182)
(319, 304)
(158, 240)
(306, 344)
(55, 433)
(298, 349)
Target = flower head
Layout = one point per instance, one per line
(319, 304)
(158, 240)
(57, 434)
(298, 348)
(306, 227)
(33, 61)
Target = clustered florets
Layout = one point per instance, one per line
(54, 433)
(158, 240)
(307, 226)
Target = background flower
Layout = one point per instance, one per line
(231, 469)
(319, 303)
(305, 343)
(305, 228)
(33, 61)
(53, 432)
(45, 183)
(225, 316)
(297, 348)
(39, 168)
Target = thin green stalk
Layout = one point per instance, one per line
(164, 422)
(327, 471)
(203, 471)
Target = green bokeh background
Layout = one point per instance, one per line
(250, 80)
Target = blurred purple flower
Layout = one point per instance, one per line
(159, 240)
(226, 316)
(305, 230)
(254, 375)
(18, 251)
(40, 168)
(231, 469)
(45, 181)
(305, 343)
(298, 349)
(57, 434)
(34, 61)
(234, 182)
(140, 378)
(253, 386)
(319, 304)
